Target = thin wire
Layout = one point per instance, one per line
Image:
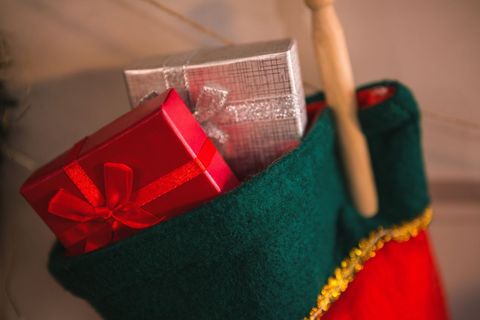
(195, 25)
(457, 122)
(460, 123)
(202, 29)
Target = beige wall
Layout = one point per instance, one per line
(68, 55)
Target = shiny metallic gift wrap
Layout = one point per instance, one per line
(249, 98)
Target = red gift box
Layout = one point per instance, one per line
(146, 167)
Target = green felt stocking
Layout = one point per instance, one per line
(264, 250)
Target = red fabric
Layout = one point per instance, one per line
(399, 283)
(372, 96)
(366, 98)
(160, 163)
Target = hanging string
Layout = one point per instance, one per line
(195, 25)
(204, 30)
(30, 165)
(458, 122)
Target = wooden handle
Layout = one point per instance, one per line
(337, 79)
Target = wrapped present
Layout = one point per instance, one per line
(147, 166)
(249, 98)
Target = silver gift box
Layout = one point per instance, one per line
(257, 111)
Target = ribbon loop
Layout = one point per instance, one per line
(118, 179)
(211, 101)
(66, 205)
(102, 218)
(99, 217)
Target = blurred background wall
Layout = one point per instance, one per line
(67, 60)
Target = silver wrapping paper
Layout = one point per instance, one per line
(261, 114)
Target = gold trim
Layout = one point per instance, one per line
(365, 250)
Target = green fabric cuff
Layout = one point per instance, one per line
(264, 250)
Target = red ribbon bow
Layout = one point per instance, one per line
(101, 220)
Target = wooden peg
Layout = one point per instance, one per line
(337, 79)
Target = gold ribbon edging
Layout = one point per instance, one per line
(366, 249)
